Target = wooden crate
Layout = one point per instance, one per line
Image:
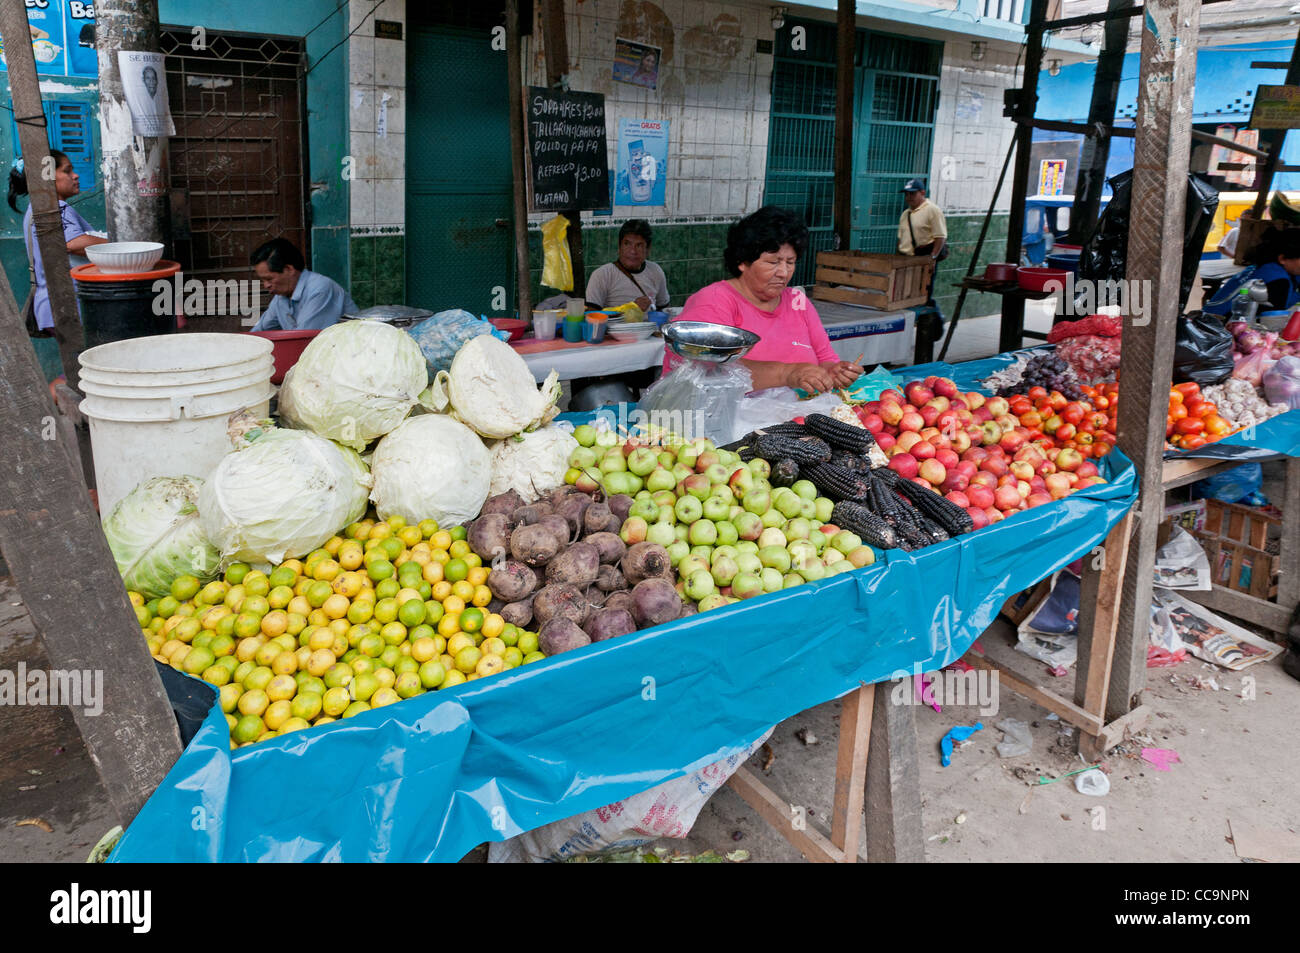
(884, 282)
(1234, 539)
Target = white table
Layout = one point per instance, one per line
(597, 360)
(881, 337)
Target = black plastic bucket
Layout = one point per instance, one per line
(116, 310)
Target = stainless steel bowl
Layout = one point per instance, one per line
(712, 343)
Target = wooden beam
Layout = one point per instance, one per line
(1288, 583)
(809, 841)
(515, 87)
(1155, 242)
(1271, 140)
(1240, 605)
(1101, 111)
(1094, 747)
(851, 770)
(555, 44)
(845, 49)
(1010, 336)
(1084, 19)
(1062, 706)
(893, 790)
(61, 563)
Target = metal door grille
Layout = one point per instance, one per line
(897, 85)
(237, 169)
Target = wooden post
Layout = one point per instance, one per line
(893, 783)
(1272, 140)
(69, 582)
(1013, 306)
(515, 85)
(44, 198)
(845, 47)
(1155, 244)
(555, 44)
(1096, 149)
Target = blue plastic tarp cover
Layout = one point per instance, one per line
(434, 776)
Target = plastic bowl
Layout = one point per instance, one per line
(1001, 271)
(1034, 279)
(124, 258)
(513, 325)
(712, 343)
(286, 348)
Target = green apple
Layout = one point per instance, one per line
(583, 457)
(792, 579)
(703, 532)
(605, 439)
(773, 579)
(700, 585)
(689, 509)
(677, 551)
(789, 504)
(724, 570)
(775, 557)
(805, 489)
(661, 533)
(647, 509)
(824, 509)
(691, 564)
(727, 534)
(746, 546)
(749, 563)
(613, 461)
(585, 434)
(659, 480)
(716, 509)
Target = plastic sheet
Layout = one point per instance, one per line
(432, 777)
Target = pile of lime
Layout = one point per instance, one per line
(384, 611)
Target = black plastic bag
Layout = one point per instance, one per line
(1105, 253)
(1202, 349)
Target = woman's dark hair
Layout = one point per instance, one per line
(765, 230)
(277, 253)
(1285, 243)
(18, 178)
(635, 226)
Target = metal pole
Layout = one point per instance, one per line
(845, 46)
(514, 84)
(135, 167)
(1155, 245)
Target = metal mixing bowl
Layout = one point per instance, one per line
(712, 343)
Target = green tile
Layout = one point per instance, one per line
(363, 257)
(363, 293)
(389, 247)
(390, 283)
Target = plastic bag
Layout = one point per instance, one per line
(699, 400)
(1282, 383)
(667, 810)
(1092, 358)
(776, 405)
(1202, 349)
(1016, 739)
(557, 266)
(1181, 563)
(1230, 485)
(1105, 253)
(442, 335)
(1254, 365)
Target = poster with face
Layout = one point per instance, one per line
(636, 63)
(145, 85)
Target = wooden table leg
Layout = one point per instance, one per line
(893, 790)
(1105, 622)
(851, 770)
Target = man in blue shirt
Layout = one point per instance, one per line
(301, 299)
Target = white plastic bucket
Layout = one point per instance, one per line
(158, 406)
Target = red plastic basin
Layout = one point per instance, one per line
(514, 326)
(1033, 279)
(286, 348)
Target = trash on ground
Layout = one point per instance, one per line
(806, 736)
(1016, 738)
(1160, 758)
(1092, 782)
(36, 822)
(956, 733)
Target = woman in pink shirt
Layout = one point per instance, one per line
(793, 350)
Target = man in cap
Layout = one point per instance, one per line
(921, 229)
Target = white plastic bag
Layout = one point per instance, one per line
(668, 810)
(705, 396)
(776, 405)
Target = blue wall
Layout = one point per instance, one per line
(1225, 90)
(327, 119)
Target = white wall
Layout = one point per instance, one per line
(377, 121)
(714, 90)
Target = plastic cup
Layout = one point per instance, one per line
(577, 305)
(594, 331)
(544, 325)
(573, 329)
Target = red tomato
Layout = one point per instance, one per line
(1190, 425)
(1193, 442)
(1037, 392)
(1188, 389)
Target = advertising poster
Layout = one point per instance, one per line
(1051, 177)
(636, 63)
(145, 85)
(642, 162)
(63, 38)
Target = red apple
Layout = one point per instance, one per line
(961, 441)
(945, 456)
(871, 407)
(1038, 498)
(966, 468)
(1007, 498)
(1045, 467)
(930, 381)
(1023, 488)
(906, 440)
(892, 395)
(1007, 422)
(885, 441)
(998, 466)
(1058, 485)
(917, 393)
(1086, 469)
(980, 495)
(932, 472)
(1011, 441)
(930, 414)
(904, 464)
(1030, 454)
(1022, 469)
(945, 387)
(958, 404)
(873, 423)
(1069, 459)
(891, 413)
(911, 420)
(1007, 479)
(975, 399)
(995, 515)
(997, 406)
(954, 481)
(978, 517)
(958, 497)
(1088, 481)
(975, 455)
(938, 403)
(923, 450)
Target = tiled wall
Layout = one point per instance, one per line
(971, 136)
(377, 131)
(963, 233)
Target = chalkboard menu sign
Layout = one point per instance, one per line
(567, 154)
